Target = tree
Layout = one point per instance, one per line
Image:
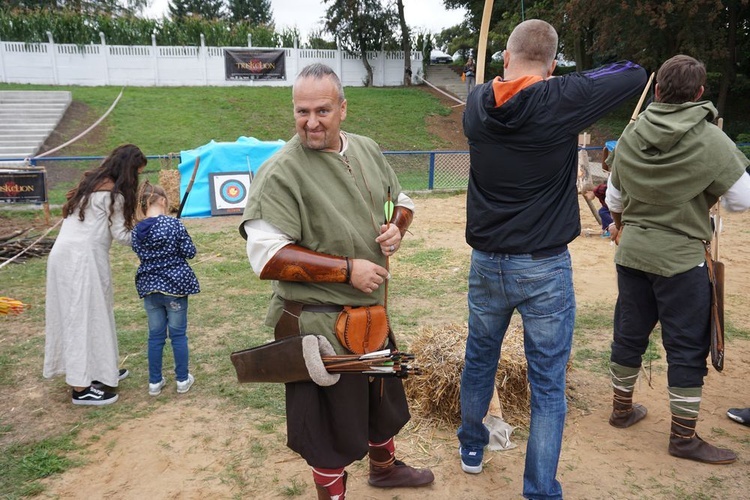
(405, 42)
(207, 9)
(506, 14)
(317, 40)
(256, 12)
(360, 26)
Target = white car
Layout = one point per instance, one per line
(439, 57)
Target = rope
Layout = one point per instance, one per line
(29, 247)
(443, 92)
(97, 122)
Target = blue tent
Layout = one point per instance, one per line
(243, 155)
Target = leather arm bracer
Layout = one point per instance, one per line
(296, 263)
(402, 218)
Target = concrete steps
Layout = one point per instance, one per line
(27, 118)
(446, 78)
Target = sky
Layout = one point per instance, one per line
(422, 15)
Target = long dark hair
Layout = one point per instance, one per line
(120, 168)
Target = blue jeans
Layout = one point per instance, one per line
(542, 291)
(166, 312)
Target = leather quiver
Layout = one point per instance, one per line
(362, 329)
(280, 361)
(716, 278)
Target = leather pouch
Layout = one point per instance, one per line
(279, 361)
(362, 329)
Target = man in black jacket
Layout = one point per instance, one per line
(522, 211)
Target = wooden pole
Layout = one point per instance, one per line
(189, 186)
(483, 32)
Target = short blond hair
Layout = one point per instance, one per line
(534, 40)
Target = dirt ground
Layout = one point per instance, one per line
(185, 451)
(151, 457)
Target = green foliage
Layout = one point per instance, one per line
(24, 465)
(206, 9)
(67, 26)
(360, 26)
(256, 12)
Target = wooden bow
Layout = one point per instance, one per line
(483, 35)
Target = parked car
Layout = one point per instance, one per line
(439, 57)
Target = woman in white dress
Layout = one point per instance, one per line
(81, 340)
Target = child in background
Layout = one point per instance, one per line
(600, 192)
(164, 280)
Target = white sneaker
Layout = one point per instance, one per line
(155, 389)
(185, 385)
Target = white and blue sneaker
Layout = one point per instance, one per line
(185, 385)
(471, 461)
(155, 389)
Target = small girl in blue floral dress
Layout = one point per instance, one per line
(164, 280)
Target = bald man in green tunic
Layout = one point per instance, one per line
(314, 224)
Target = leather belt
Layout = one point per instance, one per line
(288, 324)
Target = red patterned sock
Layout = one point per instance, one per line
(389, 445)
(330, 479)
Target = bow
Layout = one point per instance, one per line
(483, 34)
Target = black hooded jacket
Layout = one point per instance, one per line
(523, 141)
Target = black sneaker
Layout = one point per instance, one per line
(91, 396)
(121, 375)
(741, 415)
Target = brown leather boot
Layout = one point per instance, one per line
(624, 412)
(323, 492)
(685, 443)
(387, 472)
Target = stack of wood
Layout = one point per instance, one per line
(13, 243)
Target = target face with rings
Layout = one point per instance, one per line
(232, 191)
(229, 192)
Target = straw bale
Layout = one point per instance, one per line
(439, 352)
(170, 181)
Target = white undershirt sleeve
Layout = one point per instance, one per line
(405, 201)
(263, 241)
(737, 199)
(613, 197)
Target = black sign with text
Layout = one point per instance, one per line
(22, 186)
(251, 64)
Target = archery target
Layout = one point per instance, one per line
(229, 192)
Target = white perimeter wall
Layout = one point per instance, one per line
(93, 65)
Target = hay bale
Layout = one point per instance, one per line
(170, 181)
(439, 352)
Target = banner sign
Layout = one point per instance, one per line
(254, 64)
(23, 186)
(229, 192)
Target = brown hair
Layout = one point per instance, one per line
(148, 194)
(680, 79)
(118, 173)
(534, 40)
